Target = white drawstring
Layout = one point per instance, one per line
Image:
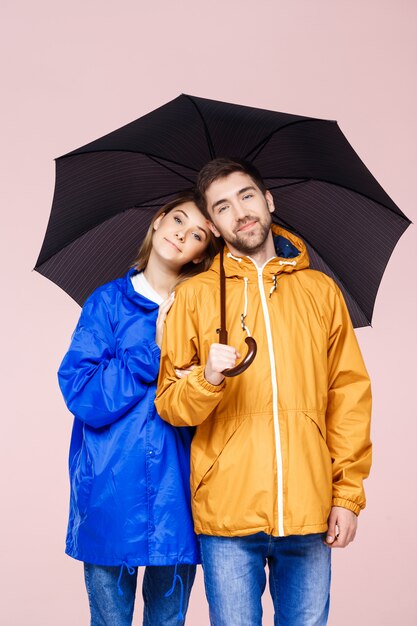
(235, 258)
(245, 309)
(288, 263)
(274, 286)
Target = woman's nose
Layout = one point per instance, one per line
(180, 236)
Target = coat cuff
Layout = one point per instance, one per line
(347, 504)
(206, 385)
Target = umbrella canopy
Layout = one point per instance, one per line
(106, 193)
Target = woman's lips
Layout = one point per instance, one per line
(172, 244)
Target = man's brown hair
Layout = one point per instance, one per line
(220, 168)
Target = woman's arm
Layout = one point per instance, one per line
(98, 385)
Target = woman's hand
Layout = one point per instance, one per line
(184, 373)
(162, 313)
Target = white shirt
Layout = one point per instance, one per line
(141, 285)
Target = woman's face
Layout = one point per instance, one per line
(181, 236)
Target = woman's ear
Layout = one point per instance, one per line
(158, 221)
(198, 259)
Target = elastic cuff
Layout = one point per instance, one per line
(206, 385)
(347, 504)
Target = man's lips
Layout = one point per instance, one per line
(247, 226)
(172, 244)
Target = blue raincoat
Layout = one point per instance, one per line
(129, 470)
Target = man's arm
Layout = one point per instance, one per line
(347, 422)
(184, 401)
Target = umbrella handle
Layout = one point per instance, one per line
(243, 365)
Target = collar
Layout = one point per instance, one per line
(291, 256)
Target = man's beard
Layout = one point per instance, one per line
(249, 243)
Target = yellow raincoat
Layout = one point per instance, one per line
(280, 444)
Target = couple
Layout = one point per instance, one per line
(279, 453)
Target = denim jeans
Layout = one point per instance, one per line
(111, 594)
(299, 578)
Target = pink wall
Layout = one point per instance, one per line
(73, 71)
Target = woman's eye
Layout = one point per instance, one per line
(177, 219)
(197, 236)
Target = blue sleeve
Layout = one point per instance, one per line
(99, 382)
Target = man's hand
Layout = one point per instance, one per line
(342, 527)
(220, 357)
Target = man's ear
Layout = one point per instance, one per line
(158, 221)
(269, 201)
(213, 229)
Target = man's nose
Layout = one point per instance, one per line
(240, 211)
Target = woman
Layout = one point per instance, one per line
(129, 470)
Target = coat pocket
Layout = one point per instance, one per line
(308, 468)
(319, 421)
(208, 444)
(82, 474)
(315, 427)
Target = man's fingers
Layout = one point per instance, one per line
(221, 357)
(342, 528)
(332, 530)
(222, 348)
(340, 542)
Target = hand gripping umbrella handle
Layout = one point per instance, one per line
(250, 341)
(244, 364)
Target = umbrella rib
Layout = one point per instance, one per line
(295, 231)
(296, 182)
(329, 182)
(206, 130)
(151, 156)
(261, 145)
(170, 169)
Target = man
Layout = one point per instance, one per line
(280, 452)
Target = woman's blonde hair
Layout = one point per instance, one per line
(189, 269)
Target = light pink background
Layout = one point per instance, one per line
(73, 71)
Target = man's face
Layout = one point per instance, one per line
(240, 213)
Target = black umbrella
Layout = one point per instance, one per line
(107, 191)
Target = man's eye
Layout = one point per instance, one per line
(247, 195)
(222, 208)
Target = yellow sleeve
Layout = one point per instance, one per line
(187, 401)
(348, 411)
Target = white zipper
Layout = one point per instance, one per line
(278, 452)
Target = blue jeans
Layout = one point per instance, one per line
(111, 594)
(235, 579)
